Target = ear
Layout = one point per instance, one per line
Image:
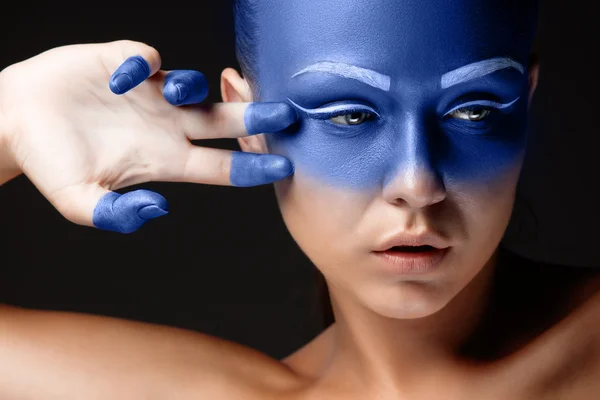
(534, 73)
(234, 88)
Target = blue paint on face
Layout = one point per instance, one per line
(449, 63)
(127, 213)
(268, 117)
(130, 73)
(185, 87)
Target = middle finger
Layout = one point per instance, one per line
(234, 120)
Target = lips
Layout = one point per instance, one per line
(406, 242)
(411, 249)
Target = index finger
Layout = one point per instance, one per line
(234, 120)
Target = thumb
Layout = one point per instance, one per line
(93, 205)
(132, 62)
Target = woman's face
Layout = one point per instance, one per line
(412, 121)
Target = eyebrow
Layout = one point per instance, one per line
(368, 76)
(479, 69)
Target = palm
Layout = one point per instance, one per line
(77, 140)
(95, 135)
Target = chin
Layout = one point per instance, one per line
(410, 300)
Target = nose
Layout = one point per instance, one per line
(414, 180)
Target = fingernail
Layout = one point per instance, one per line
(248, 169)
(151, 212)
(185, 87)
(128, 212)
(175, 93)
(182, 91)
(131, 73)
(121, 83)
(268, 117)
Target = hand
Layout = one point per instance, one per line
(77, 141)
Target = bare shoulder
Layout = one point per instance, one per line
(311, 359)
(46, 355)
(564, 360)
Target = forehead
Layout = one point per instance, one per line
(400, 38)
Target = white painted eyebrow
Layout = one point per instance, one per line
(479, 69)
(370, 77)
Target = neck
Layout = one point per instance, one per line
(380, 351)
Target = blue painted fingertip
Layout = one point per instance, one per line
(185, 87)
(131, 73)
(126, 213)
(249, 169)
(269, 117)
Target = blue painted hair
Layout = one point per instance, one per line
(246, 31)
(523, 12)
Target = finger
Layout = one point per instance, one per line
(142, 62)
(184, 87)
(93, 205)
(234, 168)
(234, 120)
(126, 213)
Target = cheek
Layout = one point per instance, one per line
(483, 160)
(484, 210)
(345, 157)
(322, 218)
(366, 158)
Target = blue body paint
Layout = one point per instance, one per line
(126, 213)
(248, 169)
(329, 58)
(370, 77)
(268, 117)
(131, 73)
(185, 87)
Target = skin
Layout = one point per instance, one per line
(126, 213)
(407, 170)
(394, 337)
(79, 165)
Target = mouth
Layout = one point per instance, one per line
(411, 249)
(412, 260)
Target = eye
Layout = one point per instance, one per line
(476, 111)
(341, 113)
(354, 118)
(471, 114)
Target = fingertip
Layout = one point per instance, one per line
(184, 87)
(269, 117)
(175, 93)
(151, 212)
(133, 71)
(288, 114)
(249, 169)
(128, 212)
(149, 198)
(121, 83)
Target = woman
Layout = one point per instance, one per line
(406, 124)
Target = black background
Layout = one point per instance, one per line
(222, 262)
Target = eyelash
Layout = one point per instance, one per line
(338, 110)
(480, 104)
